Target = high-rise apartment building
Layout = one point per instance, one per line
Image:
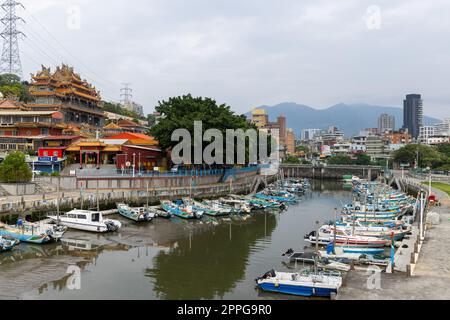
(413, 114)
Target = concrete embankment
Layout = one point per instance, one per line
(137, 194)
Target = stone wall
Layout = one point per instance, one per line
(18, 189)
(330, 172)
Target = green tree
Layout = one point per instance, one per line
(292, 160)
(340, 160)
(428, 156)
(118, 109)
(182, 112)
(363, 159)
(11, 86)
(14, 169)
(151, 120)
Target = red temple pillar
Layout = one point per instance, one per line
(98, 159)
(81, 159)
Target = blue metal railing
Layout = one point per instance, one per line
(189, 173)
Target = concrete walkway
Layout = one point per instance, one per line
(431, 278)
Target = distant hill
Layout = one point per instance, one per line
(349, 118)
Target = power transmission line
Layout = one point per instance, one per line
(70, 54)
(126, 94)
(10, 61)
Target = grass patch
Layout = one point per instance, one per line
(439, 185)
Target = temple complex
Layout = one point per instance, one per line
(64, 91)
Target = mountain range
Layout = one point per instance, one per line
(350, 118)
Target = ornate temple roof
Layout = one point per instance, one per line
(65, 81)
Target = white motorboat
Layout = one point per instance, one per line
(87, 221)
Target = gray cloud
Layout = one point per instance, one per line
(247, 53)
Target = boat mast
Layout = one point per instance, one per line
(57, 202)
(335, 220)
(147, 194)
(317, 248)
(98, 202)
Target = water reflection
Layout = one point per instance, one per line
(208, 265)
(211, 259)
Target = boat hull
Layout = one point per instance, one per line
(35, 239)
(297, 290)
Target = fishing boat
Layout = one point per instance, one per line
(362, 250)
(7, 244)
(304, 257)
(37, 233)
(359, 258)
(343, 238)
(159, 212)
(135, 214)
(305, 283)
(240, 206)
(384, 232)
(207, 209)
(278, 197)
(224, 209)
(181, 211)
(86, 220)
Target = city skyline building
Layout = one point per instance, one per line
(386, 123)
(413, 114)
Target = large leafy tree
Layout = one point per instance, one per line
(340, 160)
(11, 86)
(14, 169)
(428, 156)
(182, 112)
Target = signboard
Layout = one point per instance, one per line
(47, 159)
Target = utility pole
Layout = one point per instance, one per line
(10, 62)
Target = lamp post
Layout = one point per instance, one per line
(33, 171)
(429, 182)
(134, 165)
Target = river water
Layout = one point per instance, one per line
(168, 259)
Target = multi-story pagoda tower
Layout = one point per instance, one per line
(63, 90)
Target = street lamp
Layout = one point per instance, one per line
(429, 182)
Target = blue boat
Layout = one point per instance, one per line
(135, 214)
(178, 210)
(362, 250)
(289, 199)
(32, 232)
(305, 284)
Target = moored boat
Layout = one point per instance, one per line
(86, 220)
(7, 244)
(37, 233)
(304, 283)
(135, 214)
(181, 211)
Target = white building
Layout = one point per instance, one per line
(442, 129)
(309, 134)
(425, 133)
(341, 148)
(358, 144)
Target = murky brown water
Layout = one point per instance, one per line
(176, 259)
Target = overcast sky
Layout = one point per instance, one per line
(248, 53)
